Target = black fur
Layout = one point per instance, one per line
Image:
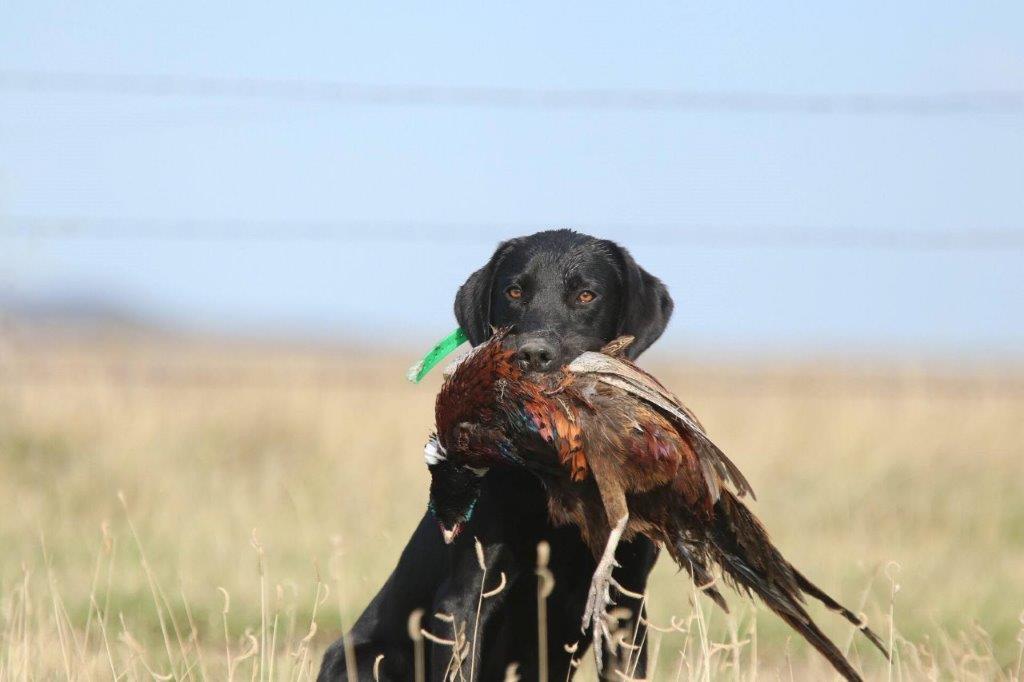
(550, 269)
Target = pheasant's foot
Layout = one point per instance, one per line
(600, 598)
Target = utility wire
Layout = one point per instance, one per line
(611, 99)
(711, 236)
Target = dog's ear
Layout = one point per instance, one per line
(473, 300)
(646, 303)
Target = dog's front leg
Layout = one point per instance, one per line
(466, 603)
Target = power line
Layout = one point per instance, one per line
(609, 99)
(369, 231)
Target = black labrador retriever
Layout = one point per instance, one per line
(565, 293)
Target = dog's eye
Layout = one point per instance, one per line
(585, 296)
(514, 292)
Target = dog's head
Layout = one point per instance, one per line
(563, 293)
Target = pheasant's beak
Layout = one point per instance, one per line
(449, 534)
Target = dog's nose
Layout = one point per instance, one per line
(537, 355)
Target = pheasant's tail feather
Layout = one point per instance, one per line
(810, 588)
(747, 556)
(724, 466)
(695, 562)
(820, 641)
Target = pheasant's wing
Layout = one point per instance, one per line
(626, 376)
(644, 385)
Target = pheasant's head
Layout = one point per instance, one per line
(454, 490)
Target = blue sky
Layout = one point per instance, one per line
(207, 161)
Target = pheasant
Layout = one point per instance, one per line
(618, 455)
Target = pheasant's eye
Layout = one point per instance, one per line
(514, 292)
(585, 296)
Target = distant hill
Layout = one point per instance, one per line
(72, 314)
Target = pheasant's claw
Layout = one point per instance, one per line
(599, 599)
(600, 596)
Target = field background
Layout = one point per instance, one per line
(225, 234)
(279, 472)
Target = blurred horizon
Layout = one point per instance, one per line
(834, 180)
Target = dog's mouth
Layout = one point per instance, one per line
(547, 350)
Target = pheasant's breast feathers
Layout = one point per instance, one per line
(555, 421)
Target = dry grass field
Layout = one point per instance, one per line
(186, 510)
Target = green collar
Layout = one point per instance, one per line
(436, 354)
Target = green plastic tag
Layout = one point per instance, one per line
(436, 354)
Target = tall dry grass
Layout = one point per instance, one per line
(187, 510)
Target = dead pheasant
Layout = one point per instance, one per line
(619, 455)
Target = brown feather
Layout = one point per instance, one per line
(611, 441)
